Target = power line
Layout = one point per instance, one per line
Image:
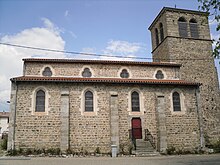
(69, 52)
(92, 54)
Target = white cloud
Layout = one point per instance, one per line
(216, 38)
(47, 36)
(89, 50)
(72, 34)
(213, 22)
(66, 13)
(122, 48)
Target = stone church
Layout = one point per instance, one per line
(170, 102)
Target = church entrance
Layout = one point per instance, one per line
(136, 128)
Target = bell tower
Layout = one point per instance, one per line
(183, 36)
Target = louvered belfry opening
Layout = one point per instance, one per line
(157, 37)
(161, 32)
(193, 28)
(182, 24)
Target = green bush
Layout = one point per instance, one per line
(12, 152)
(216, 146)
(4, 144)
(97, 150)
(171, 150)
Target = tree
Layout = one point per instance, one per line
(213, 8)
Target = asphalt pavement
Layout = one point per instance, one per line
(159, 160)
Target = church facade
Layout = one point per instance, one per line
(90, 104)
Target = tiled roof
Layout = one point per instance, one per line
(4, 114)
(42, 60)
(105, 80)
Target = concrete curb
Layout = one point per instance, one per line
(15, 158)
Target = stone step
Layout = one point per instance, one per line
(144, 149)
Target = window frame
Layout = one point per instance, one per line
(89, 107)
(124, 73)
(176, 101)
(83, 101)
(40, 98)
(182, 27)
(193, 26)
(159, 74)
(86, 71)
(157, 37)
(182, 102)
(33, 102)
(46, 71)
(135, 104)
(161, 31)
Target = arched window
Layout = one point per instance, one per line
(157, 37)
(86, 72)
(135, 102)
(124, 73)
(47, 72)
(40, 101)
(193, 28)
(161, 32)
(159, 75)
(176, 102)
(182, 27)
(88, 101)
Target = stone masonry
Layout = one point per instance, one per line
(195, 55)
(65, 123)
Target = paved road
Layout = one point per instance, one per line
(161, 160)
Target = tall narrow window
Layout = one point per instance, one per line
(47, 72)
(40, 101)
(161, 32)
(86, 72)
(182, 27)
(176, 102)
(88, 101)
(193, 28)
(157, 37)
(135, 102)
(124, 74)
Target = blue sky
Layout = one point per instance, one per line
(118, 27)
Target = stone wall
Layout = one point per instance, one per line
(99, 70)
(195, 55)
(90, 130)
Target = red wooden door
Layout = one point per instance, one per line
(136, 128)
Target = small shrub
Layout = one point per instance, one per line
(86, 152)
(37, 151)
(57, 151)
(4, 144)
(69, 151)
(28, 151)
(130, 149)
(97, 150)
(171, 150)
(51, 151)
(12, 152)
(216, 146)
(20, 151)
(122, 148)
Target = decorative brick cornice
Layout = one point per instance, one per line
(104, 80)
